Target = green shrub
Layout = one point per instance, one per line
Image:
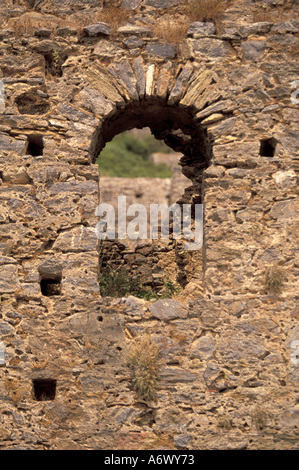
(155, 145)
(128, 157)
(117, 281)
(136, 146)
(169, 288)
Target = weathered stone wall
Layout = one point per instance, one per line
(228, 377)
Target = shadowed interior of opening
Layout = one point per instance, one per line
(50, 287)
(35, 145)
(44, 389)
(268, 147)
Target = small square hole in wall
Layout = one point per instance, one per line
(35, 145)
(50, 287)
(44, 389)
(267, 147)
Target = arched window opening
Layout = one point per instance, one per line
(156, 263)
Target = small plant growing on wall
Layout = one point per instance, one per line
(34, 3)
(171, 29)
(261, 418)
(117, 279)
(144, 364)
(170, 288)
(207, 10)
(274, 279)
(113, 14)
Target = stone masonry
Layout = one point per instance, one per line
(225, 97)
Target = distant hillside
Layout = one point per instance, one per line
(128, 156)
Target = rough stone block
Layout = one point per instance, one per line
(77, 286)
(168, 309)
(164, 81)
(6, 329)
(77, 115)
(77, 239)
(71, 187)
(198, 86)
(130, 4)
(123, 73)
(211, 48)
(16, 175)
(161, 4)
(203, 348)
(43, 32)
(9, 281)
(139, 71)
(135, 30)
(9, 144)
(255, 28)
(200, 28)
(180, 85)
(97, 30)
(108, 50)
(252, 49)
(133, 41)
(284, 210)
(284, 27)
(166, 51)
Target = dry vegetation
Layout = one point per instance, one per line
(113, 16)
(26, 24)
(144, 364)
(207, 10)
(171, 30)
(281, 12)
(274, 278)
(34, 3)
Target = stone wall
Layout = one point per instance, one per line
(228, 370)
